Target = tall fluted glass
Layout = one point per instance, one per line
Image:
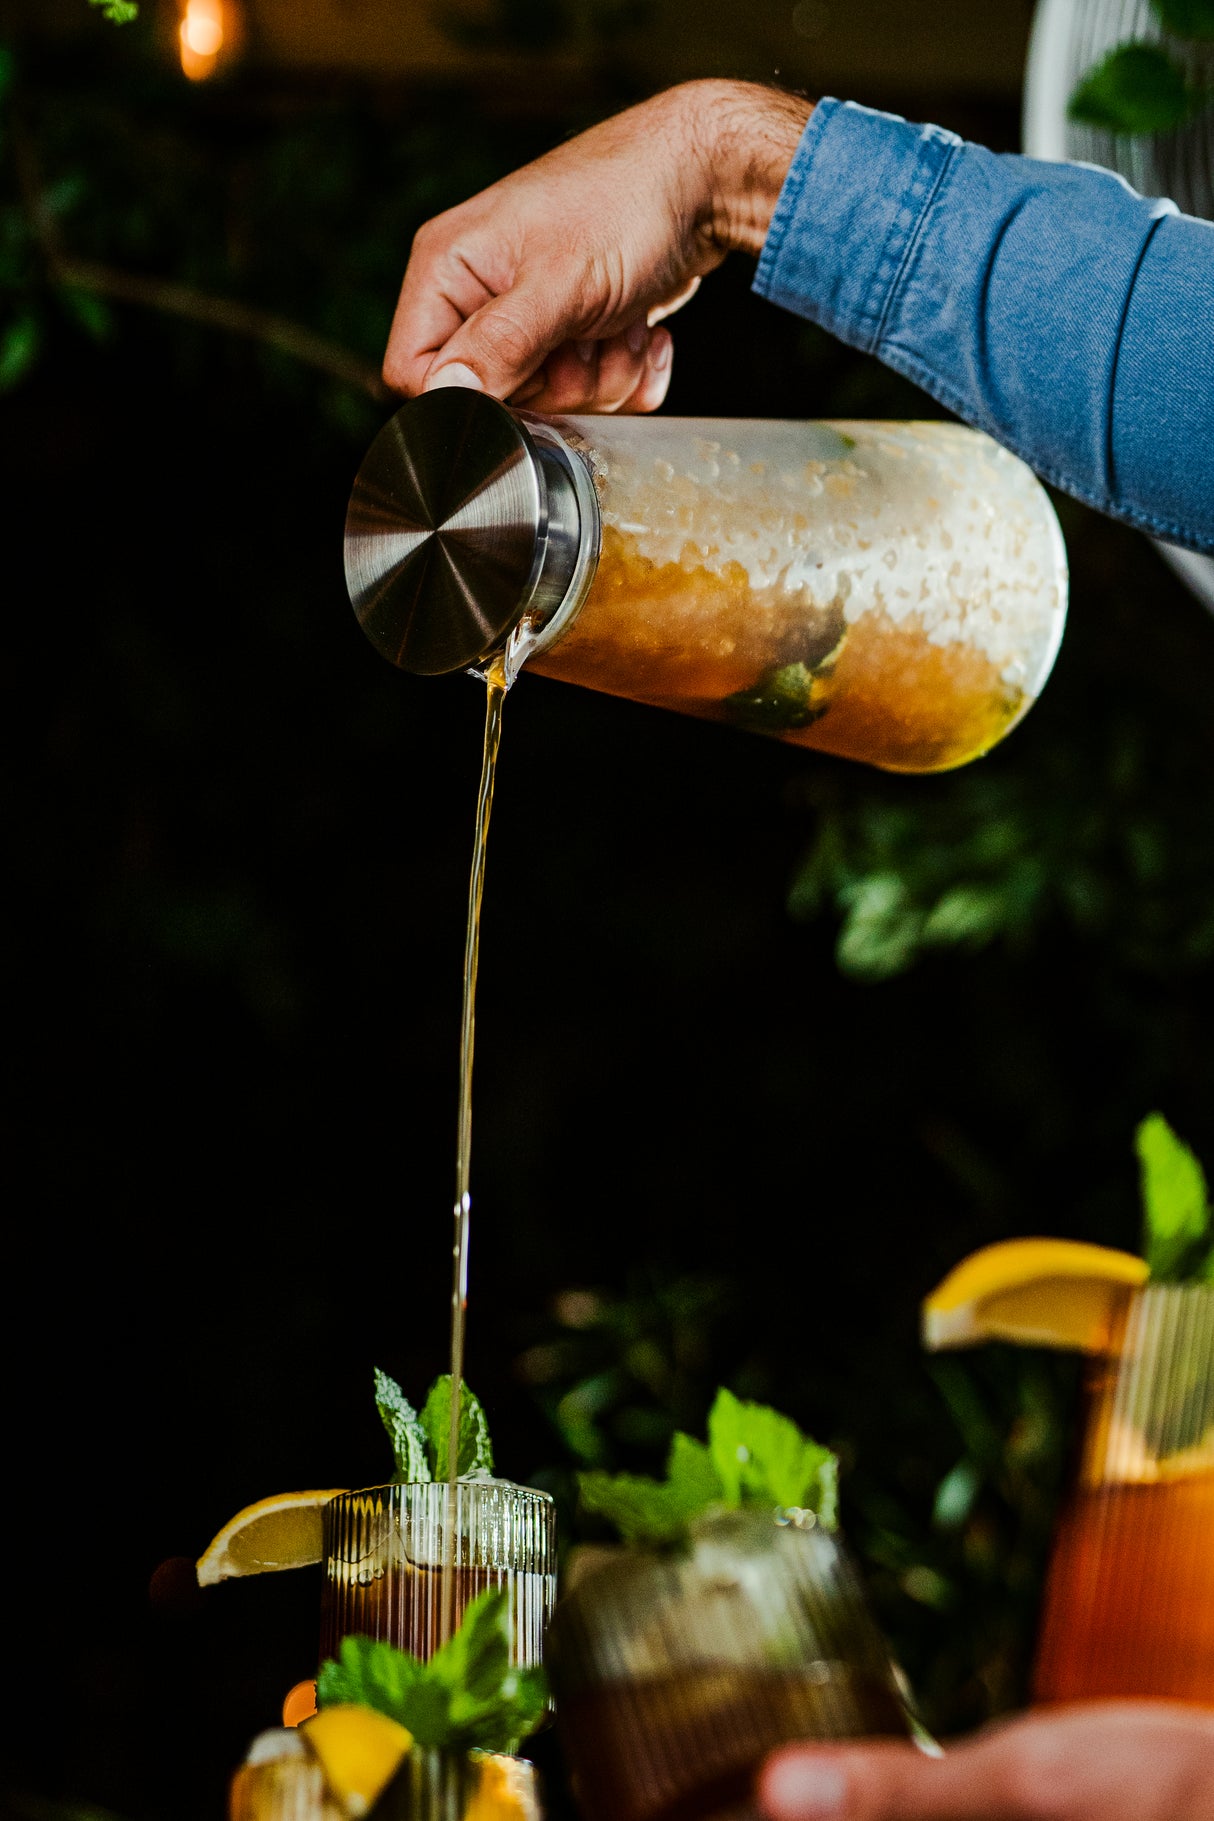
(1129, 1606)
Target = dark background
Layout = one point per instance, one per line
(739, 1103)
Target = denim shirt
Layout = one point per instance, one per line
(1048, 304)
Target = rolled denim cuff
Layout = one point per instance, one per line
(856, 195)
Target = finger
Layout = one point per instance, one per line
(655, 380)
(628, 372)
(502, 344)
(660, 311)
(1070, 1765)
(442, 288)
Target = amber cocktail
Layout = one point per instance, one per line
(384, 1555)
(1129, 1607)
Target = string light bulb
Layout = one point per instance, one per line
(202, 35)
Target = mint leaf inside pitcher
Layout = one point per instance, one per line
(781, 699)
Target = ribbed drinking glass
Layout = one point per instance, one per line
(676, 1672)
(1129, 1606)
(384, 1553)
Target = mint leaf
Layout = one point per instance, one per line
(475, 1448)
(754, 1456)
(371, 1673)
(492, 1705)
(1175, 1203)
(781, 700)
(762, 1458)
(1186, 18)
(19, 346)
(1137, 88)
(644, 1510)
(690, 1471)
(468, 1697)
(404, 1428)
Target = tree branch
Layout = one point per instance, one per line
(220, 313)
(166, 295)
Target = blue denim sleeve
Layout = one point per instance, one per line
(1046, 303)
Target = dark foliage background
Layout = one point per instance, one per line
(766, 1043)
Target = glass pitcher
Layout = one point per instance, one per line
(1129, 1604)
(889, 592)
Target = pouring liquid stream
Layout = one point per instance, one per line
(495, 695)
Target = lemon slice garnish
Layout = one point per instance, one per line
(283, 1531)
(359, 1750)
(1038, 1292)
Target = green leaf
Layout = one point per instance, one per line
(764, 1459)
(475, 1448)
(118, 12)
(89, 311)
(404, 1428)
(754, 1456)
(373, 1674)
(1137, 88)
(19, 347)
(1186, 18)
(691, 1472)
(782, 699)
(1175, 1202)
(469, 1696)
(476, 1659)
(656, 1511)
(642, 1510)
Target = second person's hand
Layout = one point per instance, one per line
(548, 288)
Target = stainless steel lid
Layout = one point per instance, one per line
(464, 524)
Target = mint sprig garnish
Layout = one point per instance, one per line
(475, 1448)
(468, 1696)
(1177, 1220)
(754, 1457)
(421, 1444)
(405, 1432)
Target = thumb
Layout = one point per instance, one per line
(503, 343)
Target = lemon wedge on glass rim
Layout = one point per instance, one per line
(1037, 1292)
(283, 1531)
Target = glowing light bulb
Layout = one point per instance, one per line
(201, 35)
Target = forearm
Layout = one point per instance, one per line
(1047, 304)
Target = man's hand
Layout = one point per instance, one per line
(1106, 1761)
(546, 288)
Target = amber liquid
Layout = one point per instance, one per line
(689, 1745)
(404, 1605)
(495, 696)
(1129, 1608)
(697, 639)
